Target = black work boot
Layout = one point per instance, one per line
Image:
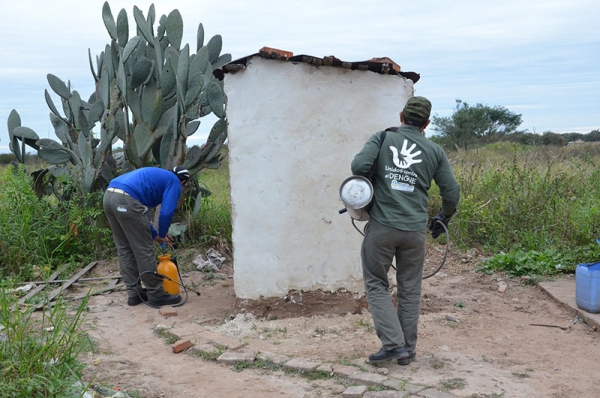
(406, 361)
(388, 355)
(140, 296)
(166, 299)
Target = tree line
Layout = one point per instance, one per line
(478, 125)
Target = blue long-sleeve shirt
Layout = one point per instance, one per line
(152, 186)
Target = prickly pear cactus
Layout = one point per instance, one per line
(151, 93)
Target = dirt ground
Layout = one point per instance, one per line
(474, 341)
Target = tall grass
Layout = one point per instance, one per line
(38, 233)
(543, 201)
(212, 226)
(38, 354)
(531, 209)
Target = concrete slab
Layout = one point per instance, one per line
(370, 379)
(354, 392)
(344, 370)
(383, 394)
(431, 393)
(563, 292)
(302, 364)
(275, 358)
(232, 358)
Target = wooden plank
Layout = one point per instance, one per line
(68, 283)
(99, 291)
(98, 278)
(41, 287)
(112, 283)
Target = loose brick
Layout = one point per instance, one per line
(167, 313)
(282, 53)
(181, 345)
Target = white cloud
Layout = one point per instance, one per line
(542, 56)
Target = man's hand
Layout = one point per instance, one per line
(166, 240)
(435, 227)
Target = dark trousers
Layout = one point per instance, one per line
(394, 327)
(130, 226)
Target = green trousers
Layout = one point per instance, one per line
(130, 225)
(394, 327)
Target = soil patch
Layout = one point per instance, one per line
(474, 341)
(304, 304)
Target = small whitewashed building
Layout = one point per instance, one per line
(295, 124)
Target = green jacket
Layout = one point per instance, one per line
(407, 164)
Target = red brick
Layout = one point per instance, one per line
(181, 345)
(283, 53)
(386, 60)
(167, 313)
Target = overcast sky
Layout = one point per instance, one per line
(540, 59)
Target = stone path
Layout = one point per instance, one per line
(364, 377)
(367, 381)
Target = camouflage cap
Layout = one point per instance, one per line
(417, 109)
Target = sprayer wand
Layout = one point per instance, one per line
(161, 276)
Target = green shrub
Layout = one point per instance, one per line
(521, 263)
(38, 233)
(538, 207)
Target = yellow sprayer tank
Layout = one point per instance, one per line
(168, 268)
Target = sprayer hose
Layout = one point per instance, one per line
(445, 251)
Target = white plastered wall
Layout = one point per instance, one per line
(293, 131)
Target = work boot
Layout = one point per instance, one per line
(139, 297)
(388, 355)
(166, 299)
(406, 361)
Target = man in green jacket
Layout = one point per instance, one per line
(406, 163)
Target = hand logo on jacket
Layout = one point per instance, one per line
(408, 158)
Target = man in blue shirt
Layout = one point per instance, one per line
(127, 201)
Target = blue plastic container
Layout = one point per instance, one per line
(587, 287)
